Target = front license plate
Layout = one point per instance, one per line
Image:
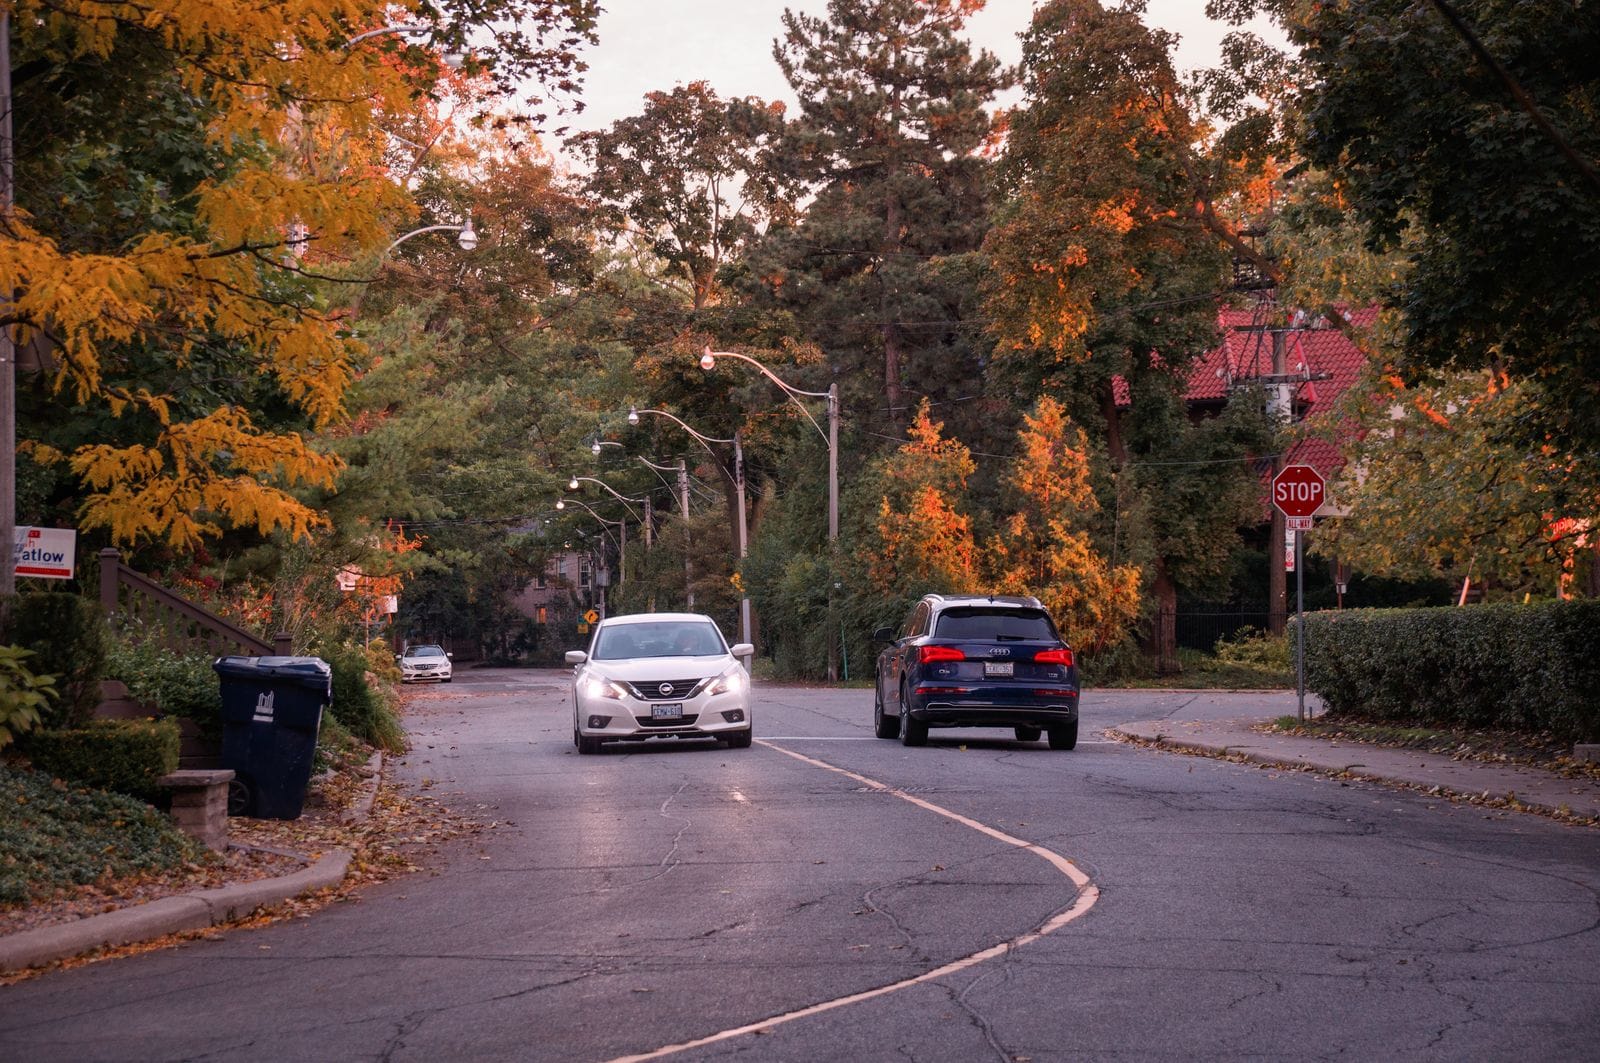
(670, 711)
(1000, 668)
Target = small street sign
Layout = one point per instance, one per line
(1298, 491)
(591, 617)
(1298, 523)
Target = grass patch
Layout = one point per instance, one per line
(1489, 746)
(54, 836)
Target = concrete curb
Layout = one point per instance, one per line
(1518, 787)
(191, 911)
(170, 915)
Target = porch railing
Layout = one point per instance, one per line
(142, 607)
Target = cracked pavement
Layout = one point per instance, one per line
(658, 894)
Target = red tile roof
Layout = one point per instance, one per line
(1245, 353)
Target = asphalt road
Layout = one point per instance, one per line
(1156, 906)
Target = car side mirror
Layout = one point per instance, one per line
(576, 656)
(742, 649)
(449, 656)
(399, 656)
(883, 634)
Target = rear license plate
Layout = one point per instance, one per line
(670, 711)
(997, 668)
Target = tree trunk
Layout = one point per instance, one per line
(1166, 630)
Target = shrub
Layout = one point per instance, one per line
(360, 705)
(67, 634)
(125, 756)
(1252, 648)
(1526, 668)
(23, 695)
(53, 836)
(171, 683)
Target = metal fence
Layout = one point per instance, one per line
(1201, 624)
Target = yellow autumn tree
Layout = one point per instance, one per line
(1044, 547)
(924, 541)
(189, 317)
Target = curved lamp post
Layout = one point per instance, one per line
(466, 235)
(738, 490)
(708, 362)
(621, 544)
(572, 485)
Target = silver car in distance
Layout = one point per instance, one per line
(659, 675)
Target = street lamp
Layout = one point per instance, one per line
(466, 238)
(572, 485)
(738, 489)
(621, 543)
(708, 362)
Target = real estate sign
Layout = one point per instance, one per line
(45, 553)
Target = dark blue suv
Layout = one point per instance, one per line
(976, 661)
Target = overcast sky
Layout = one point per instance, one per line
(655, 44)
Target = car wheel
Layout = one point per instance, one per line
(588, 745)
(882, 726)
(1065, 736)
(738, 739)
(912, 732)
(1027, 734)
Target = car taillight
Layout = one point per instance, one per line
(933, 654)
(1062, 656)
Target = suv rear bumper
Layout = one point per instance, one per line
(987, 713)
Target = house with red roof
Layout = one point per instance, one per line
(1321, 358)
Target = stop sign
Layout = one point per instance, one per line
(1298, 491)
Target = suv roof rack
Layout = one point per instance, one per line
(1020, 601)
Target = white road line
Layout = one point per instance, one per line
(869, 738)
(1087, 894)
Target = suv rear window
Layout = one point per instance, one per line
(1000, 625)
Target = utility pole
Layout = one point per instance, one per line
(1281, 408)
(834, 637)
(8, 349)
(683, 505)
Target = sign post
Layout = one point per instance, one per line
(1298, 492)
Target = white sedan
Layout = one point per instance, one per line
(659, 675)
(425, 662)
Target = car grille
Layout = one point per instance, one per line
(675, 689)
(681, 721)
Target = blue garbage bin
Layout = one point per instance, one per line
(271, 713)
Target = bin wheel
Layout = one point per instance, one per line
(240, 796)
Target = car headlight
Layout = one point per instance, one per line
(732, 681)
(598, 686)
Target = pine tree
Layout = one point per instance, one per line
(890, 132)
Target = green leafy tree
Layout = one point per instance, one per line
(889, 135)
(1432, 489)
(1466, 137)
(691, 178)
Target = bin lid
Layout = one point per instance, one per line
(313, 672)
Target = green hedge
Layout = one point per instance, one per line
(124, 756)
(67, 634)
(171, 683)
(1528, 668)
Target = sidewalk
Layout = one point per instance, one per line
(1530, 788)
(190, 911)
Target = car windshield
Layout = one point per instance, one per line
(425, 651)
(998, 625)
(687, 638)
